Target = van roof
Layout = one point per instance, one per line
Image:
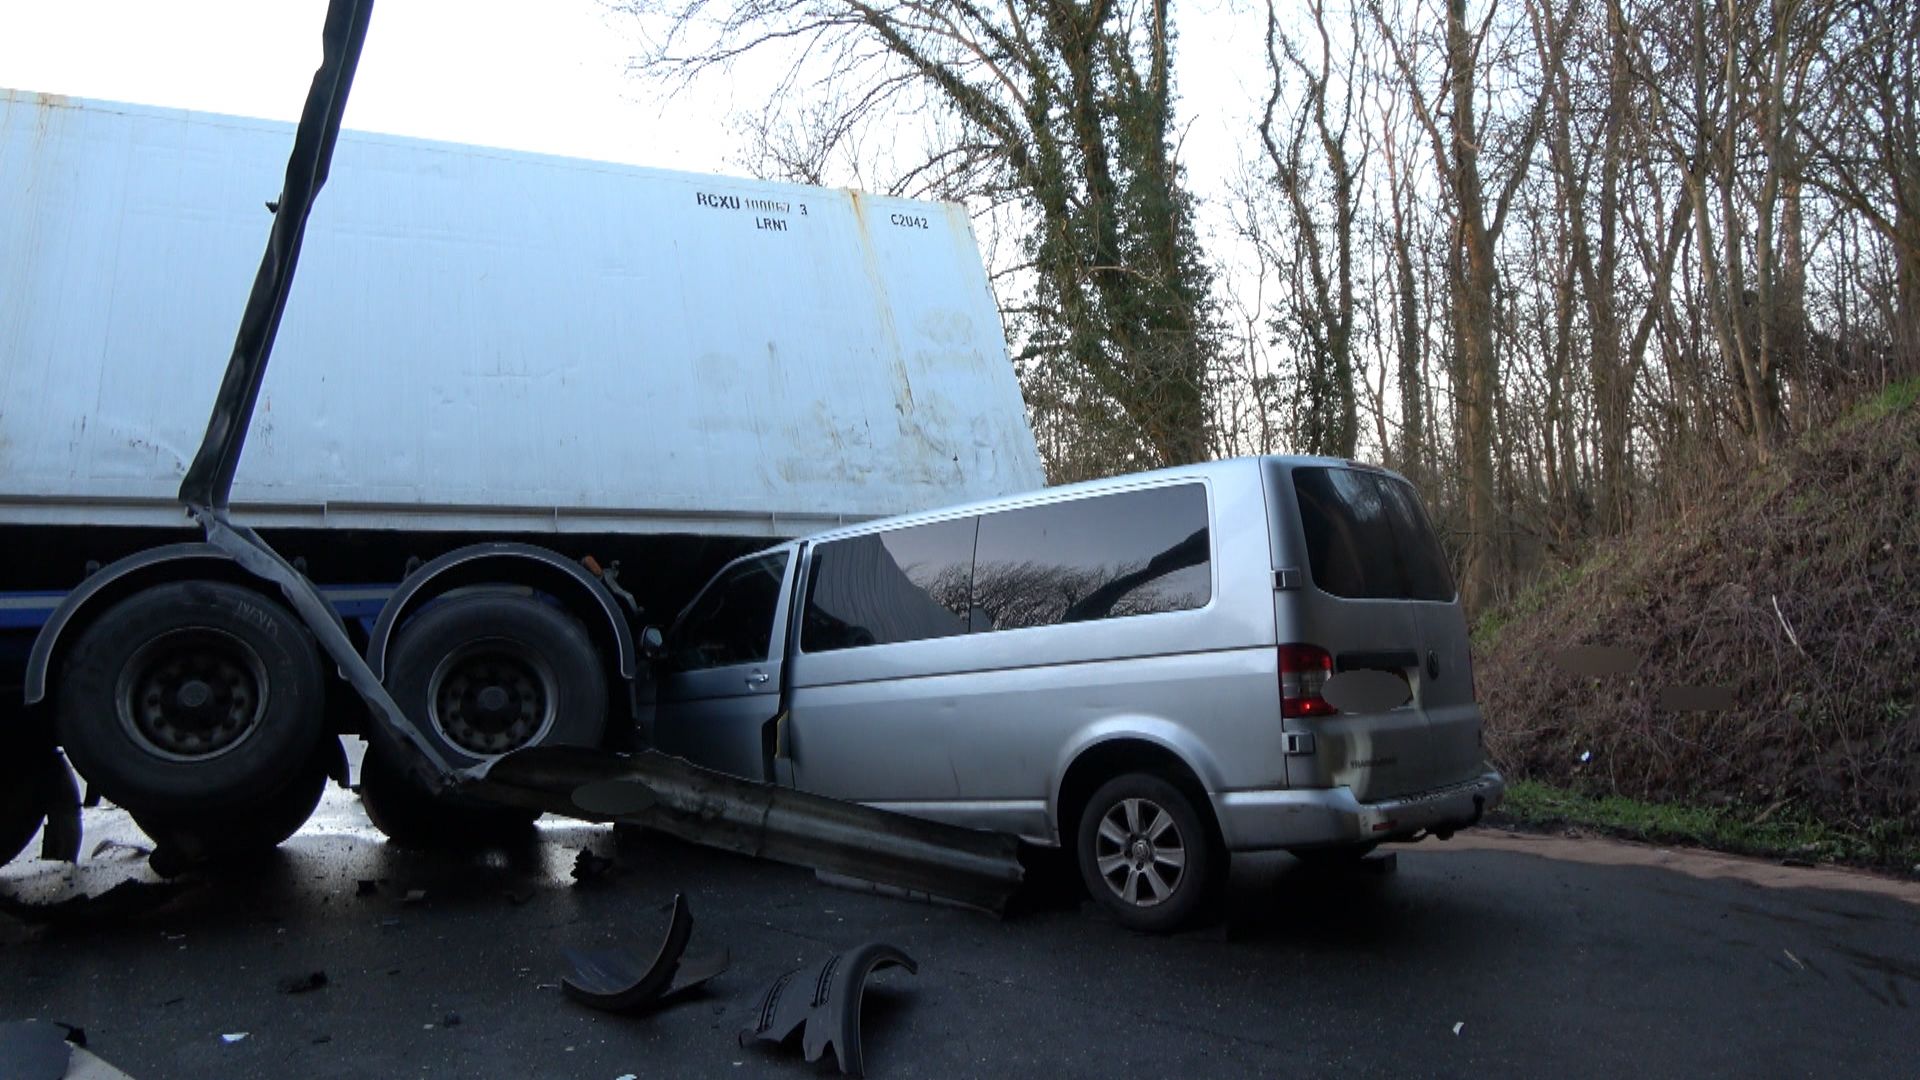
(1205, 469)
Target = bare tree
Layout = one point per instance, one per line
(1316, 178)
(1458, 143)
(1864, 144)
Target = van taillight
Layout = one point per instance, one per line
(1304, 671)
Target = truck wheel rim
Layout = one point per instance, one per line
(1139, 852)
(492, 696)
(192, 694)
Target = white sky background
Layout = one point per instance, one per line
(548, 76)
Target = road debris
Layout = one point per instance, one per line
(119, 849)
(1797, 962)
(628, 980)
(591, 869)
(232, 1037)
(69, 902)
(1457, 1025)
(301, 984)
(827, 1004)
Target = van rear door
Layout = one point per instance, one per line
(1371, 588)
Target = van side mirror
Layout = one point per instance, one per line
(652, 641)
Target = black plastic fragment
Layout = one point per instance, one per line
(827, 1003)
(301, 984)
(626, 980)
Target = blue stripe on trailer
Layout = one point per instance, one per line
(28, 610)
(31, 610)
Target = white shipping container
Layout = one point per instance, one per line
(485, 340)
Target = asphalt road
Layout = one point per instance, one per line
(1492, 955)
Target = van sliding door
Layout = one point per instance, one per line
(867, 720)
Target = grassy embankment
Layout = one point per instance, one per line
(1795, 589)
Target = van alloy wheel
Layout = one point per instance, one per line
(1147, 853)
(1140, 853)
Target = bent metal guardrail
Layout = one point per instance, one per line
(647, 788)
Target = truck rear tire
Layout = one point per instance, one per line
(244, 833)
(482, 675)
(190, 698)
(492, 672)
(410, 816)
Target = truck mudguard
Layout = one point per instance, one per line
(116, 580)
(476, 564)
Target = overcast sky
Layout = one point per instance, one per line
(540, 75)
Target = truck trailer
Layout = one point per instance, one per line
(520, 406)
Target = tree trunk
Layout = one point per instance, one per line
(1473, 316)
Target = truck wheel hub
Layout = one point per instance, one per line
(491, 697)
(193, 693)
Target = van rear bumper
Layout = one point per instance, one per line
(1330, 817)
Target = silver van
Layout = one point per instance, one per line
(1156, 670)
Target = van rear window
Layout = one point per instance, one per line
(1367, 538)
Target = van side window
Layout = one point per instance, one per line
(903, 585)
(1104, 557)
(731, 621)
(1367, 538)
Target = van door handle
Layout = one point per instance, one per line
(757, 678)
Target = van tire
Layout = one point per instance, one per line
(153, 694)
(1139, 835)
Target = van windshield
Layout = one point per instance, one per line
(1367, 538)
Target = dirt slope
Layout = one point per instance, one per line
(1792, 593)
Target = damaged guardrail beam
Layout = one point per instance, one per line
(715, 810)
